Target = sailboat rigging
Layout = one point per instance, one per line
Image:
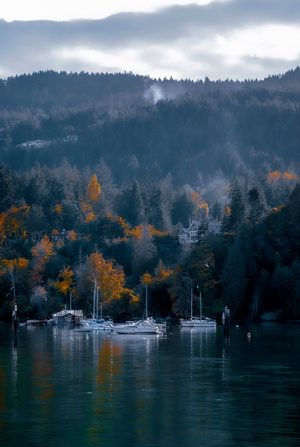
(197, 321)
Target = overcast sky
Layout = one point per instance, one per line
(220, 39)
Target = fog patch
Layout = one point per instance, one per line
(169, 92)
(155, 93)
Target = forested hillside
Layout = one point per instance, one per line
(134, 123)
(100, 173)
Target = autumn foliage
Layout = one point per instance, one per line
(273, 177)
(41, 253)
(93, 190)
(110, 278)
(65, 281)
(200, 203)
(75, 241)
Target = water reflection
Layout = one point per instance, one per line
(191, 388)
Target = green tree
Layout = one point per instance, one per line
(144, 253)
(237, 207)
(280, 289)
(293, 300)
(36, 222)
(182, 209)
(233, 279)
(290, 229)
(257, 209)
(7, 188)
(131, 205)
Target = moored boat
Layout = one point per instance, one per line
(197, 321)
(93, 324)
(145, 327)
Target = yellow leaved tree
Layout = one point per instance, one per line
(161, 274)
(2, 227)
(87, 207)
(93, 190)
(13, 223)
(64, 284)
(110, 279)
(11, 267)
(147, 279)
(41, 253)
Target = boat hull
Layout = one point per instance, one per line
(135, 331)
(92, 325)
(141, 327)
(197, 322)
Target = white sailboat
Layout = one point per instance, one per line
(197, 321)
(95, 323)
(142, 327)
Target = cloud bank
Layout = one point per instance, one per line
(239, 39)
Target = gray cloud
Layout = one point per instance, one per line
(179, 40)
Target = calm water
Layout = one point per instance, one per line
(191, 388)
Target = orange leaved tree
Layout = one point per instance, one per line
(87, 207)
(109, 277)
(11, 267)
(64, 284)
(108, 280)
(93, 190)
(41, 253)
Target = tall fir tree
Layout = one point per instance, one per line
(233, 279)
(234, 220)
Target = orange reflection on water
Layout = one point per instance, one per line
(109, 366)
(2, 389)
(42, 374)
(2, 406)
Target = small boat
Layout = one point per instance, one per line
(145, 327)
(95, 325)
(161, 326)
(197, 321)
(36, 322)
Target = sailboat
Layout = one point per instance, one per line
(142, 327)
(95, 323)
(197, 321)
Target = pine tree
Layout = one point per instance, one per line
(233, 279)
(143, 252)
(257, 209)
(237, 207)
(131, 205)
(7, 188)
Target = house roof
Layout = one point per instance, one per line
(63, 313)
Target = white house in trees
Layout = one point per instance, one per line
(190, 235)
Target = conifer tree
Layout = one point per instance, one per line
(233, 279)
(143, 251)
(257, 206)
(7, 188)
(237, 207)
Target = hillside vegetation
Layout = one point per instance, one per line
(100, 172)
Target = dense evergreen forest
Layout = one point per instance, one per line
(100, 172)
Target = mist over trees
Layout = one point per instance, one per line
(135, 124)
(100, 172)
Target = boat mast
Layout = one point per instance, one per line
(146, 302)
(200, 300)
(94, 298)
(97, 303)
(191, 302)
